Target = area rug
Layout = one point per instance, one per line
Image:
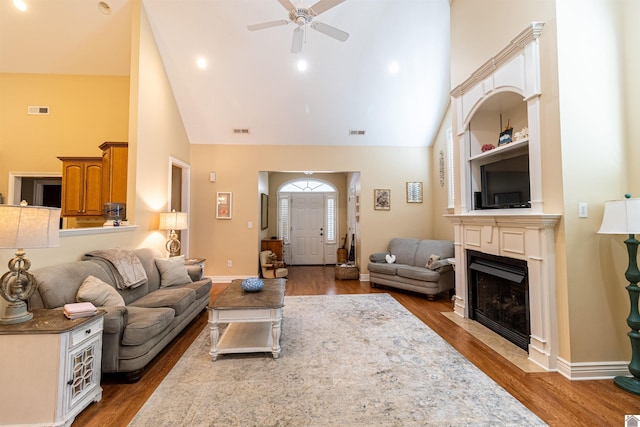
(347, 360)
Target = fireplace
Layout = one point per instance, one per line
(499, 295)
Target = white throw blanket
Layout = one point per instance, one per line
(125, 267)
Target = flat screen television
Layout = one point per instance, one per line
(505, 184)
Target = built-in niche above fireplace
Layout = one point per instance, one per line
(499, 295)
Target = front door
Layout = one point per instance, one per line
(307, 241)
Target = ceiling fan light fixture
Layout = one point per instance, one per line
(302, 65)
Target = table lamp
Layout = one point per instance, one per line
(173, 221)
(623, 217)
(24, 227)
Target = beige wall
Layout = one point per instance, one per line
(238, 167)
(85, 111)
(595, 123)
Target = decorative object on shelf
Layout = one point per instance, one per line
(24, 227)
(382, 199)
(264, 211)
(113, 213)
(505, 135)
(523, 134)
(252, 284)
(173, 221)
(487, 147)
(623, 217)
(414, 192)
(223, 205)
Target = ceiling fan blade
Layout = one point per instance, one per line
(287, 4)
(296, 44)
(330, 31)
(322, 6)
(264, 25)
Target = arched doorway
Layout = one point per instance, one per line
(307, 221)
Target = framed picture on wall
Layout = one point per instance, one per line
(223, 205)
(264, 211)
(414, 192)
(382, 199)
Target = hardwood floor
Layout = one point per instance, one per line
(556, 400)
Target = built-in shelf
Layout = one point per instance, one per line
(512, 146)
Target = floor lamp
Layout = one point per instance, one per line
(623, 217)
(24, 227)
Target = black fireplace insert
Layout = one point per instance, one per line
(499, 295)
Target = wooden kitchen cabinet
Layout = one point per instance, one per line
(114, 171)
(81, 186)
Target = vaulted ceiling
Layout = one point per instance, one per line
(251, 79)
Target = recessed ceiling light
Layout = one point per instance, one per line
(394, 67)
(202, 62)
(20, 5)
(104, 8)
(302, 65)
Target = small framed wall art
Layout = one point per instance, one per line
(223, 205)
(414, 192)
(382, 199)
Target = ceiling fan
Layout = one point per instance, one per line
(302, 17)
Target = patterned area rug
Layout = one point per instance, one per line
(347, 360)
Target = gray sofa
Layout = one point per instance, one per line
(152, 314)
(409, 270)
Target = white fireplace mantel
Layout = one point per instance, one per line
(529, 237)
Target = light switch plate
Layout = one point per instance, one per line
(583, 211)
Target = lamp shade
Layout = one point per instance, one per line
(29, 227)
(621, 217)
(173, 221)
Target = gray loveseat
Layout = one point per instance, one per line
(409, 270)
(152, 314)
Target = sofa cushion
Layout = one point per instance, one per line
(417, 273)
(405, 250)
(385, 268)
(99, 293)
(179, 299)
(200, 287)
(172, 271)
(144, 323)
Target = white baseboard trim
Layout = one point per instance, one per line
(582, 371)
(364, 277)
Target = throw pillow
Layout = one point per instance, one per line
(98, 293)
(390, 259)
(172, 271)
(431, 260)
(438, 264)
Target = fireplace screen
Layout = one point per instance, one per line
(499, 295)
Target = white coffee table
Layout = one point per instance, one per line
(254, 319)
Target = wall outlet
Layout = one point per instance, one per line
(229, 263)
(583, 212)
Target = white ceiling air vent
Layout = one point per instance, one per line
(241, 131)
(353, 132)
(35, 109)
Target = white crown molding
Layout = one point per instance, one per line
(516, 45)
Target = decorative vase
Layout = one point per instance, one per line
(252, 284)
